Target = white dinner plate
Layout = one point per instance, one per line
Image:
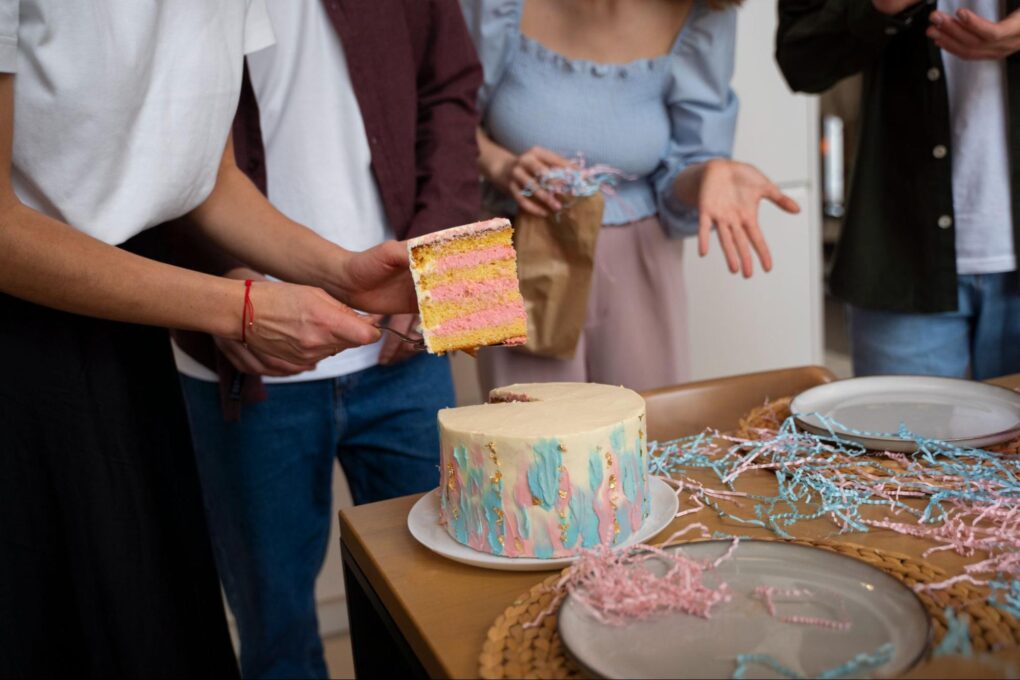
(879, 608)
(423, 522)
(871, 411)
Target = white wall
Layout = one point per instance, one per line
(772, 320)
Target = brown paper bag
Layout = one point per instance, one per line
(555, 257)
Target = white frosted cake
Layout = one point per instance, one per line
(545, 469)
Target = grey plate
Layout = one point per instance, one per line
(871, 410)
(880, 608)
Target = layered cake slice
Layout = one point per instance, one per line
(468, 292)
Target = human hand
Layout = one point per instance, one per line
(247, 359)
(728, 199)
(893, 7)
(520, 172)
(969, 36)
(301, 325)
(376, 280)
(395, 350)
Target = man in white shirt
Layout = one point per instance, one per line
(364, 129)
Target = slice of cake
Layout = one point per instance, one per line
(545, 470)
(468, 292)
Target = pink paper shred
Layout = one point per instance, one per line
(767, 595)
(616, 588)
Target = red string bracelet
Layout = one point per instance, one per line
(248, 313)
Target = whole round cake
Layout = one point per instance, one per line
(545, 469)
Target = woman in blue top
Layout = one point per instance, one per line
(643, 86)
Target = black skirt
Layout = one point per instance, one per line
(105, 562)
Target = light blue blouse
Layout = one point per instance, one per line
(649, 118)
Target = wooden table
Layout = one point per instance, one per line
(414, 613)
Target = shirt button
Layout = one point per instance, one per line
(939, 151)
(934, 74)
(945, 222)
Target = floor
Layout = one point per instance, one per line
(338, 656)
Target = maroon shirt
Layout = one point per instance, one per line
(415, 74)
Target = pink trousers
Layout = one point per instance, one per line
(635, 334)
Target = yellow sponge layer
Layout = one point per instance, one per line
(493, 335)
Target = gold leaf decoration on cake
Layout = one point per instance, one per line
(518, 545)
(535, 500)
(562, 448)
(612, 481)
(609, 459)
(496, 477)
(492, 453)
(563, 494)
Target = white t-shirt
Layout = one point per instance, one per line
(981, 191)
(122, 108)
(318, 162)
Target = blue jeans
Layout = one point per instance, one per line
(267, 484)
(983, 335)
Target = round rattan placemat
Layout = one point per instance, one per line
(511, 651)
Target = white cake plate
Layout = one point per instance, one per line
(423, 522)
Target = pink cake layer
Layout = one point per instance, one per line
(456, 232)
(473, 289)
(473, 258)
(485, 318)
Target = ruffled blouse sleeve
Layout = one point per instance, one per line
(702, 108)
(494, 26)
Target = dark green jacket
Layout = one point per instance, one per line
(897, 251)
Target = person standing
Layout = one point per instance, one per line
(114, 117)
(927, 258)
(360, 123)
(642, 86)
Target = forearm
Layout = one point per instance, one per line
(820, 42)
(494, 161)
(240, 220)
(49, 263)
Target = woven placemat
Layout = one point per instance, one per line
(511, 651)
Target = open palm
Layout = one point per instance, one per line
(728, 201)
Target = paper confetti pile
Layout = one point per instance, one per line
(970, 497)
